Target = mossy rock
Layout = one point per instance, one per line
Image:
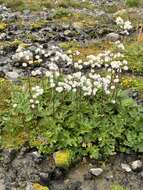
(37, 186)
(62, 158)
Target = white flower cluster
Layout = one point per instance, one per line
(125, 26)
(37, 91)
(90, 82)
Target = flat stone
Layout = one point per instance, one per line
(112, 36)
(12, 75)
(137, 165)
(96, 171)
(126, 167)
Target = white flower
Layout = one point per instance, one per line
(128, 25)
(52, 85)
(59, 89)
(112, 87)
(125, 68)
(24, 64)
(37, 102)
(116, 80)
(30, 62)
(37, 57)
(119, 21)
(40, 60)
(33, 73)
(107, 92)
(31, 101)
(14, 105)
(33, 106)
(113, 101)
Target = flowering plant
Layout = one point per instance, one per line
(76, 105)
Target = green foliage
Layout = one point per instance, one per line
(134, 55)
(134, 3)
(86, 127)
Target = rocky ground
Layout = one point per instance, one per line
(25, 168)
(87, 30)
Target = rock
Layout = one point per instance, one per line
(137, 165)
(2, 186)
(96, 171)
(8, 155)
(12, 75)
(37, 157)
(44, 178)
(29, 186)
(56, 174)
(75, 186)
(4, 61)
(141, 174)
(112, 36)
(126, 167)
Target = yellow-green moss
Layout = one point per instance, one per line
(5, 94)
(13, 141)
(62, 158)
(37, 186)
(3, 26)
(132, 82)
(11, 44)
(39, 24)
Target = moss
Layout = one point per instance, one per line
(5, 94)
(39, 24)
(118, 187)
(68, 45)
(132, 82)
(3, 26)
(11, 45)
(62, 158)
(92, 48)
(13, 141)
(37, 186)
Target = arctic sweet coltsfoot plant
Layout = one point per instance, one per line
(83, 110)
(124, 26)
